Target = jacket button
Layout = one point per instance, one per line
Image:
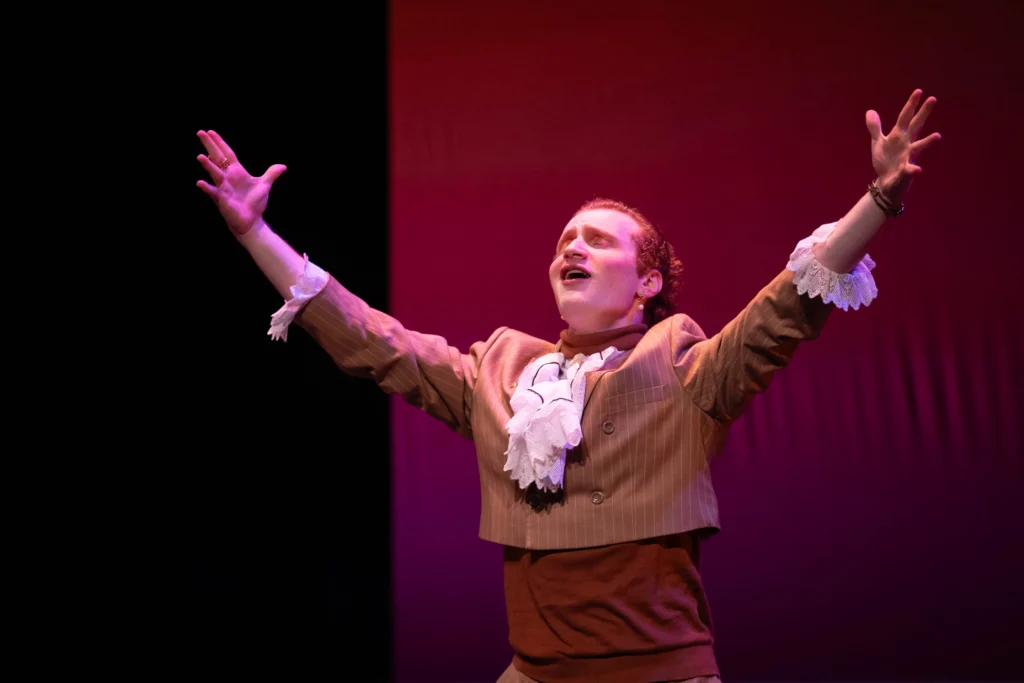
(608, 427)
(596, 497)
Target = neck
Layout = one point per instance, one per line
(623, 338)
(577, 327)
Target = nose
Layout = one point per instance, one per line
(574, 248)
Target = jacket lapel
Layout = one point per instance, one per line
(593, 378)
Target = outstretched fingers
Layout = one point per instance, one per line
(907, 114)
(917, 123)
(273, 173)
(209, 189)
(223, 146)
(211, 146)
(216, 174)
(919, 146)
(874, 124)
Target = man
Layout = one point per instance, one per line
(593, 451)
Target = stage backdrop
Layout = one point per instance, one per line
(872, 527)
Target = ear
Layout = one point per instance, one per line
(651, 284)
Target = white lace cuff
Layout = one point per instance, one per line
(842, 289)
(310, 283)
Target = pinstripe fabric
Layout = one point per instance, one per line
(651, 424)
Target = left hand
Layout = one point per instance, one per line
(893, 155)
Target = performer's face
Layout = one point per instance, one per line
(602, 244)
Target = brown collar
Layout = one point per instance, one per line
(622, 338)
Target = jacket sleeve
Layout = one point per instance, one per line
(423, 369)
(723, 374)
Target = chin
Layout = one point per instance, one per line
(578, 316)
(570, 315)
(573, 306)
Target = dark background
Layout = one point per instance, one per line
(270, 467)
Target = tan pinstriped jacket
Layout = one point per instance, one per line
(651, 423)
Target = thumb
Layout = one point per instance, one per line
(273, 173)
(874, 124)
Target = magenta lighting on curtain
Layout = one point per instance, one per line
(872, 521)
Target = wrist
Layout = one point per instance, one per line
(893, 186)
(252, 234)
(886, 197)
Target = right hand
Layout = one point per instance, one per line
(240, 197)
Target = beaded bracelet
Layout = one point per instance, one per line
(883, 202)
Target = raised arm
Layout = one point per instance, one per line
(424, 369)
(830, 268)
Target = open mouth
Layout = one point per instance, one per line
(574, 274)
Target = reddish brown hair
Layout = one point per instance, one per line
(653, 252)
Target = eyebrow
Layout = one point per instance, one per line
(586, 226)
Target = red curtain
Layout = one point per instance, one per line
(870, 498)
